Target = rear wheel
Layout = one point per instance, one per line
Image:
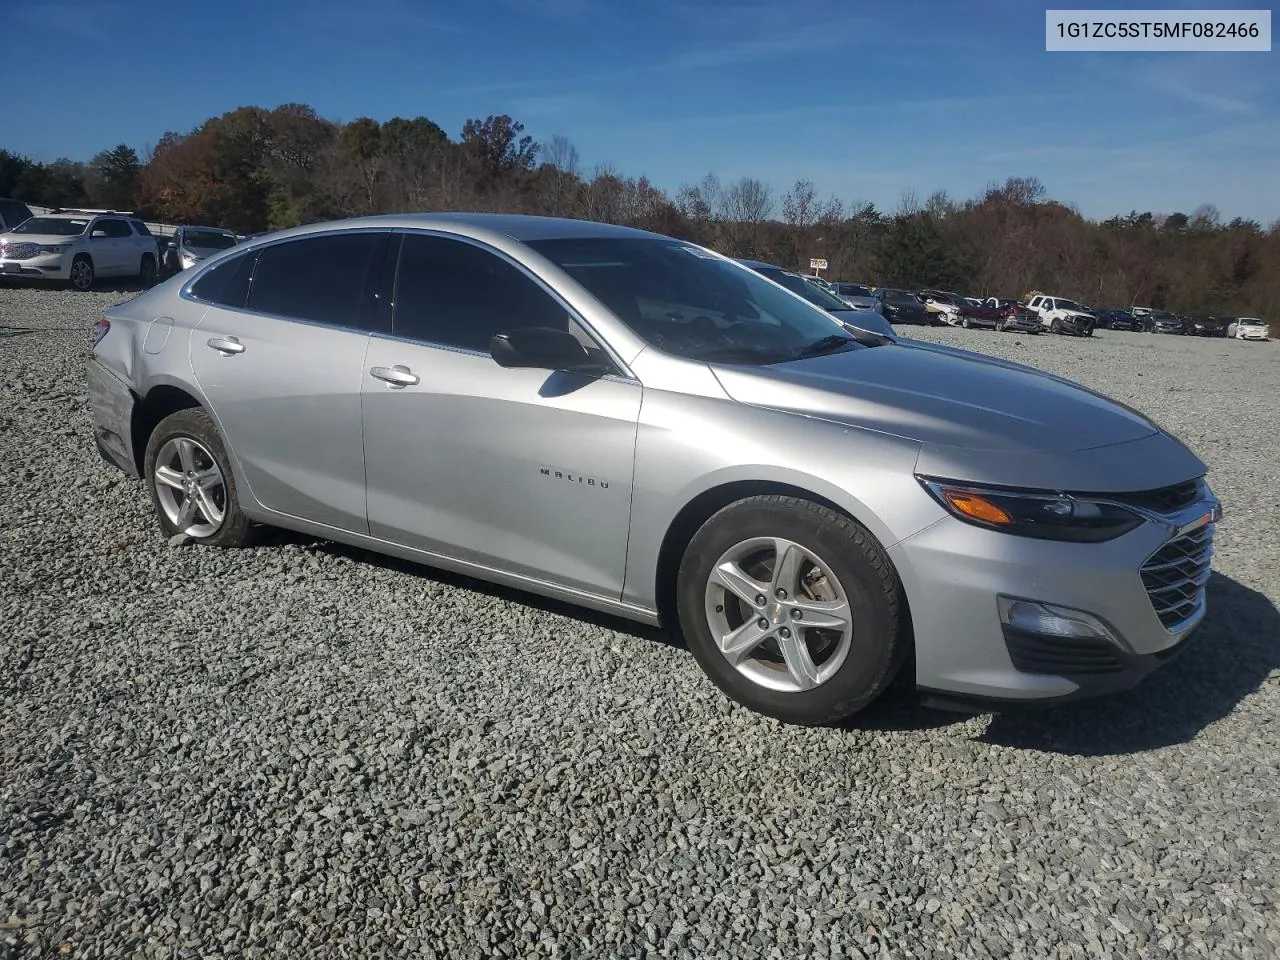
(792, 609)
(192, 487)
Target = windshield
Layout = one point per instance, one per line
(211, 239)
(900, 297)
(1068, 305)
(1251, 322)
(798, 284)
(693, 304)
(853, 290)
(52, 226)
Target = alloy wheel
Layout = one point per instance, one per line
(778, 614)
(190, 487)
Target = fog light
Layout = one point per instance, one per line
(1052, 621)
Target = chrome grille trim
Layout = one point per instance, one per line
(1176, 575)
(19, 251)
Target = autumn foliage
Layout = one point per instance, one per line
(254, 169)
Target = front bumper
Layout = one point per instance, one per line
(111, 404)
(1076, 326)
(46, 266)
(955, 575)
(1023, 324)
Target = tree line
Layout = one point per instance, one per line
(254, 169)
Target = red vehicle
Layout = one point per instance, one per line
(1014, 315)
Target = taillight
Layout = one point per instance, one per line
(100, 328)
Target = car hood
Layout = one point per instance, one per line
(941, 397)
(203, 253)
(13, 239)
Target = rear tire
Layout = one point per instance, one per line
(191, 484)
(831, 606)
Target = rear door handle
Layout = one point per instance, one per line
(226, 345)
(397, 376)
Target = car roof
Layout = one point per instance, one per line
(758, 264)
(196, 226)
(518, 227)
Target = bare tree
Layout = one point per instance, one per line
(744, 208)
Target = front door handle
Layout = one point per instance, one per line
(226, 345)
(397, 376)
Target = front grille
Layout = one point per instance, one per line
(1061, 656)
(1169, 499)
(1176, 575)
(19, 251)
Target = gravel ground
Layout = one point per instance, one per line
(303, 751)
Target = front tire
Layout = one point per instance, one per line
(191, 484)
(792, 609)
(147, 271)
(82, 275)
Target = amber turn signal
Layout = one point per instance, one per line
(979, 508)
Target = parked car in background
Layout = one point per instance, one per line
(189, 245)
(636, 424)
(1161, 321)
(903, 306)
(1117, 320)
(1060, 315)
(856, 295)
(1207, 327)
(798, 284)
(1248, 328)
(943, 305)
(77, 247)
(1014, 315)
(12, 213)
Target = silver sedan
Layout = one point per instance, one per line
(639, 425)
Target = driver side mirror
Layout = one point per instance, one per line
(542, 348)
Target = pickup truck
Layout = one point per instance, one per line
(1059, 315)
(1014, 315)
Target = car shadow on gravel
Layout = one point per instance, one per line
(1229, 657)
(278, 537)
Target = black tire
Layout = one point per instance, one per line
(82, 273)
(147, 271)
(235, 530)
(966, 323)
(1055, 325)
(880, 639)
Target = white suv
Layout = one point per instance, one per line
(77, 247)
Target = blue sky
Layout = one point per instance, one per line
(866, 99)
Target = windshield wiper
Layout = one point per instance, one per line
(825, 345)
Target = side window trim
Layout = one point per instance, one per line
(255, 254)
(623, 371)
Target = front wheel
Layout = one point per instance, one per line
(792, 609)
(191, 484)
(147, 271)
(82, 273)
(1055, 326)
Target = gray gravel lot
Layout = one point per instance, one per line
(303, 751)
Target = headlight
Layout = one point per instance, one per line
(188, 260)
(1043, 514)
(54, 247)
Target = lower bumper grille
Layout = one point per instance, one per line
(1175, 576)
(1061, 656)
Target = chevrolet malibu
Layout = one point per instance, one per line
(639, 425)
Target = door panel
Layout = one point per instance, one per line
(526, 470)
(289, 406)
